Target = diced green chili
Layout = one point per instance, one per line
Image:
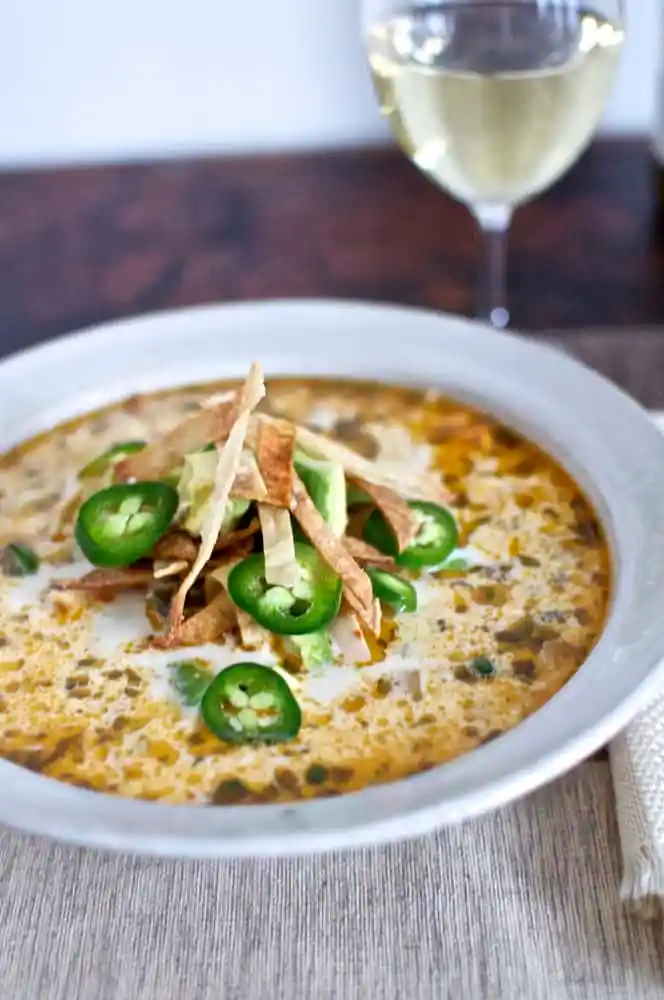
(190, 680)
(483, 667)
(18, 560)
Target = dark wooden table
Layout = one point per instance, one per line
(86, 245)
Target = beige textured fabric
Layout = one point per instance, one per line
(519, 905)
(637, 765)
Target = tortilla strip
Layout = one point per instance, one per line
(396, 511)
(70, 604)
(276, 443)
(233, 537)
(191, 435)
(281, 569)
(347, 633)
(251, 394)
(216, 619)
(210, 402)
(252, 635)
(217, 579)
(406, 484)
(65, 517)
(357, 585)
(362, 552)
(164, 569)
(248, 483)
(237, 551)
(107, 579)
(175, 545)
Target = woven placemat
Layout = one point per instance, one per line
(522, 903)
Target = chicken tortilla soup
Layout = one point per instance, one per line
(246, 593)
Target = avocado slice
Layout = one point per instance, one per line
(325, 483)
(235, 511)
(315, 648)
(357, 497)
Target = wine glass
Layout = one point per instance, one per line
(493, 99)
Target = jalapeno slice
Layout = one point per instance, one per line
(393, 590)
(437, 537)
(109, 458)
(120, 524)
(250, 703)
(307, 607)
(18, 560)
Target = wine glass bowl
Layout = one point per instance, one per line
(493, 99)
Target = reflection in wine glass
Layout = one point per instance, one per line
(493, 99)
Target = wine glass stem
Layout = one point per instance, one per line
(494, 221)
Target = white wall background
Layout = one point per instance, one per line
(88, 80)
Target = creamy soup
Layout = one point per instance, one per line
(500, 626)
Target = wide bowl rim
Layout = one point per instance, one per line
(605, 439)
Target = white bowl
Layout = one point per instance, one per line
(603, 438)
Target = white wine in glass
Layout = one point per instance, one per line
(493, 99)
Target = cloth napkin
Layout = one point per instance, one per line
(637, 766)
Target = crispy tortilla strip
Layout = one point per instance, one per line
(403, 482)
(356, 583)
(252, 636)
(231, 539)
(364, 553)
(229, 459)
(162, 569)
(281, 569)
(107, 579)
(217, 398)
(216, 619)
(236, 552)
(217, 579)
(276, 442)
(346, 632)
(248, 483)
(197, 431)
(175, 545)
(69, 605)
(396, 511)
(374, 620)
(65, 516)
